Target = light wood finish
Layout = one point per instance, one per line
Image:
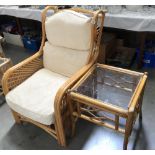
(98, 122)
(98, 104)
(16, 117)
(63, 90)
(116, 122)
(88, 106)
(121, 70)
(138, 93)
(128, 129)
(20, 72)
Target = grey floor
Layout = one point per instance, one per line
(88, 136)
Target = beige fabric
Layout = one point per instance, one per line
(34, 98)
(69, 29)
(63, 61)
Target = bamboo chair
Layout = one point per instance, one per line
(23, 72)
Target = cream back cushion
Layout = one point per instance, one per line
(69, 42)
(69, 29)
(62, 60)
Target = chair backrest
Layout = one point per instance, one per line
(70, 39)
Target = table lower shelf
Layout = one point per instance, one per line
(98, 122)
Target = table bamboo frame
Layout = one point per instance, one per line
(79, 104)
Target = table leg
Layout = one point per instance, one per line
(128, 129)
(73, 120)
(141, 52)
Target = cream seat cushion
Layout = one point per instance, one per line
(34, 98)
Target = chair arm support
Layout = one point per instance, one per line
(68, 84)
(58, 103)
(20, 72)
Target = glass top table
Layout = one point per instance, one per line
(109, 86)
(108, 96)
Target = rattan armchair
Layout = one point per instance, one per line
(21, 74)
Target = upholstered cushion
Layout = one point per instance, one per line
(69, 29)
(34, 98)
(63, 60)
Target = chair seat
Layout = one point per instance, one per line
(34, 98)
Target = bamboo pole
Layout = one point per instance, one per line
(93, 120)
(98, 104)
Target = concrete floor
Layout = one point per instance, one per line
(88, 136)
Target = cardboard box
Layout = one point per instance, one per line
(14, 39)
(119, 42)
(123, 57)
(107, 47)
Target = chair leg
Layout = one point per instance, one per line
(62, 141)
(128, 129)
(74, 120)
(60, 136)
(16, 117)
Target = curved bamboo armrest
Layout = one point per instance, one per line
(20, 72)
(72, 80)
(58, 102)
(68, 84)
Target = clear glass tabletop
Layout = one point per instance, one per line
(109, 86)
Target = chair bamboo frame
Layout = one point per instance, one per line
(20, 72)
(77, 103)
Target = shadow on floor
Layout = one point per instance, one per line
(140, 138)
(27, 136)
